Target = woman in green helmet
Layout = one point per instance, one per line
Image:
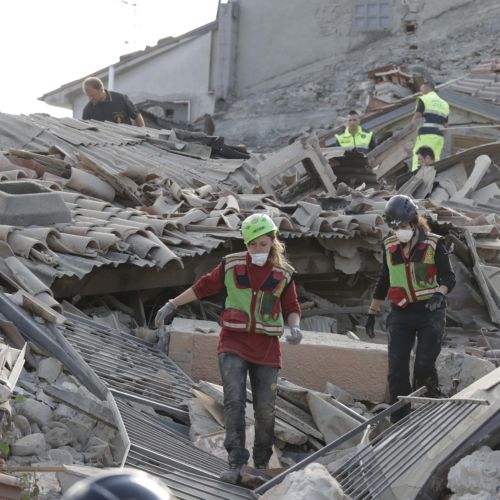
(260, 293)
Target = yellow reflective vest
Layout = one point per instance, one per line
(360, 141)
(435, 112)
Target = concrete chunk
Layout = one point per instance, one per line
(34, 411)
(24, 203)
(59, 436)
(476, 475)
(314, 482)
(49, 369)
(33, 444)
(481, 166)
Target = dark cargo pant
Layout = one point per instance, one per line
(263, 380)
(404, 327)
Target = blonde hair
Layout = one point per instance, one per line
(422, 222)
(277, 255)
(92, 82)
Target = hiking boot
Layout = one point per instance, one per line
(232, 475)
(261, 465)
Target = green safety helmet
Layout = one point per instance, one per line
(256, 225)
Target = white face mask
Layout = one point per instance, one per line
(404, 235)
(259, 259)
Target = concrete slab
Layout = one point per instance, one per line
(24, 203)
(355, 366)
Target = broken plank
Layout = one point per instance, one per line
(491, 305)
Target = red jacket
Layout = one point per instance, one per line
(255, 348)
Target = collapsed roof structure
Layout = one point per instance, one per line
(112, 219)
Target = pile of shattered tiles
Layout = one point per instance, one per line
(146, 199)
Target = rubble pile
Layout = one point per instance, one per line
(101, 224)
(47, 430)
(476, 475)
(318, 96)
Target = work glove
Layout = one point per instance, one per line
(164, 312)
(435, 302)
(370, 325)
(295, 336)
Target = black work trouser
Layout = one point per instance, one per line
(404, 326)
(263, 380)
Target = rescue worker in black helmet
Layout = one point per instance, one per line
(119, 485)
(416, 275)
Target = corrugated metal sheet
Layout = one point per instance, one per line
(134, 369)
(195, 224)
(146, 432)
(118, 147)
(129, 366)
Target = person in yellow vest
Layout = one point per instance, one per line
(416, 275)
(354, 137)
(260, 292)
(434, 111)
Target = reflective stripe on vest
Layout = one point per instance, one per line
(414, 280)
(436, 111)
(359, 141)
(246, 311)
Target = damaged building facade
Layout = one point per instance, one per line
(101, 223)
(278, 67)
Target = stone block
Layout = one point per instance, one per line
(98, 452)
(180, 342)
(34, 411)
(58, 436)
(49, 369)
(79, 430)
(464, 368)
(64, 411)
(22, 423)
(205, 365)
(60, 456)
(33, 444)
(184, 361)
(476, 475)
(104, 432)
(312, 482)
(359, 368)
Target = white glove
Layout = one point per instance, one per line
(295, 336)
(164, 312)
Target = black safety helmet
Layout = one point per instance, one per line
(118, 486)
(400, 209)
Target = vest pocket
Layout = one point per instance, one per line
(270, 306)
(398, 296)
(234, 320)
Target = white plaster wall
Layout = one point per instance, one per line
(178, 74)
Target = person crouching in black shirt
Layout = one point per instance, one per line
(106, 105)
